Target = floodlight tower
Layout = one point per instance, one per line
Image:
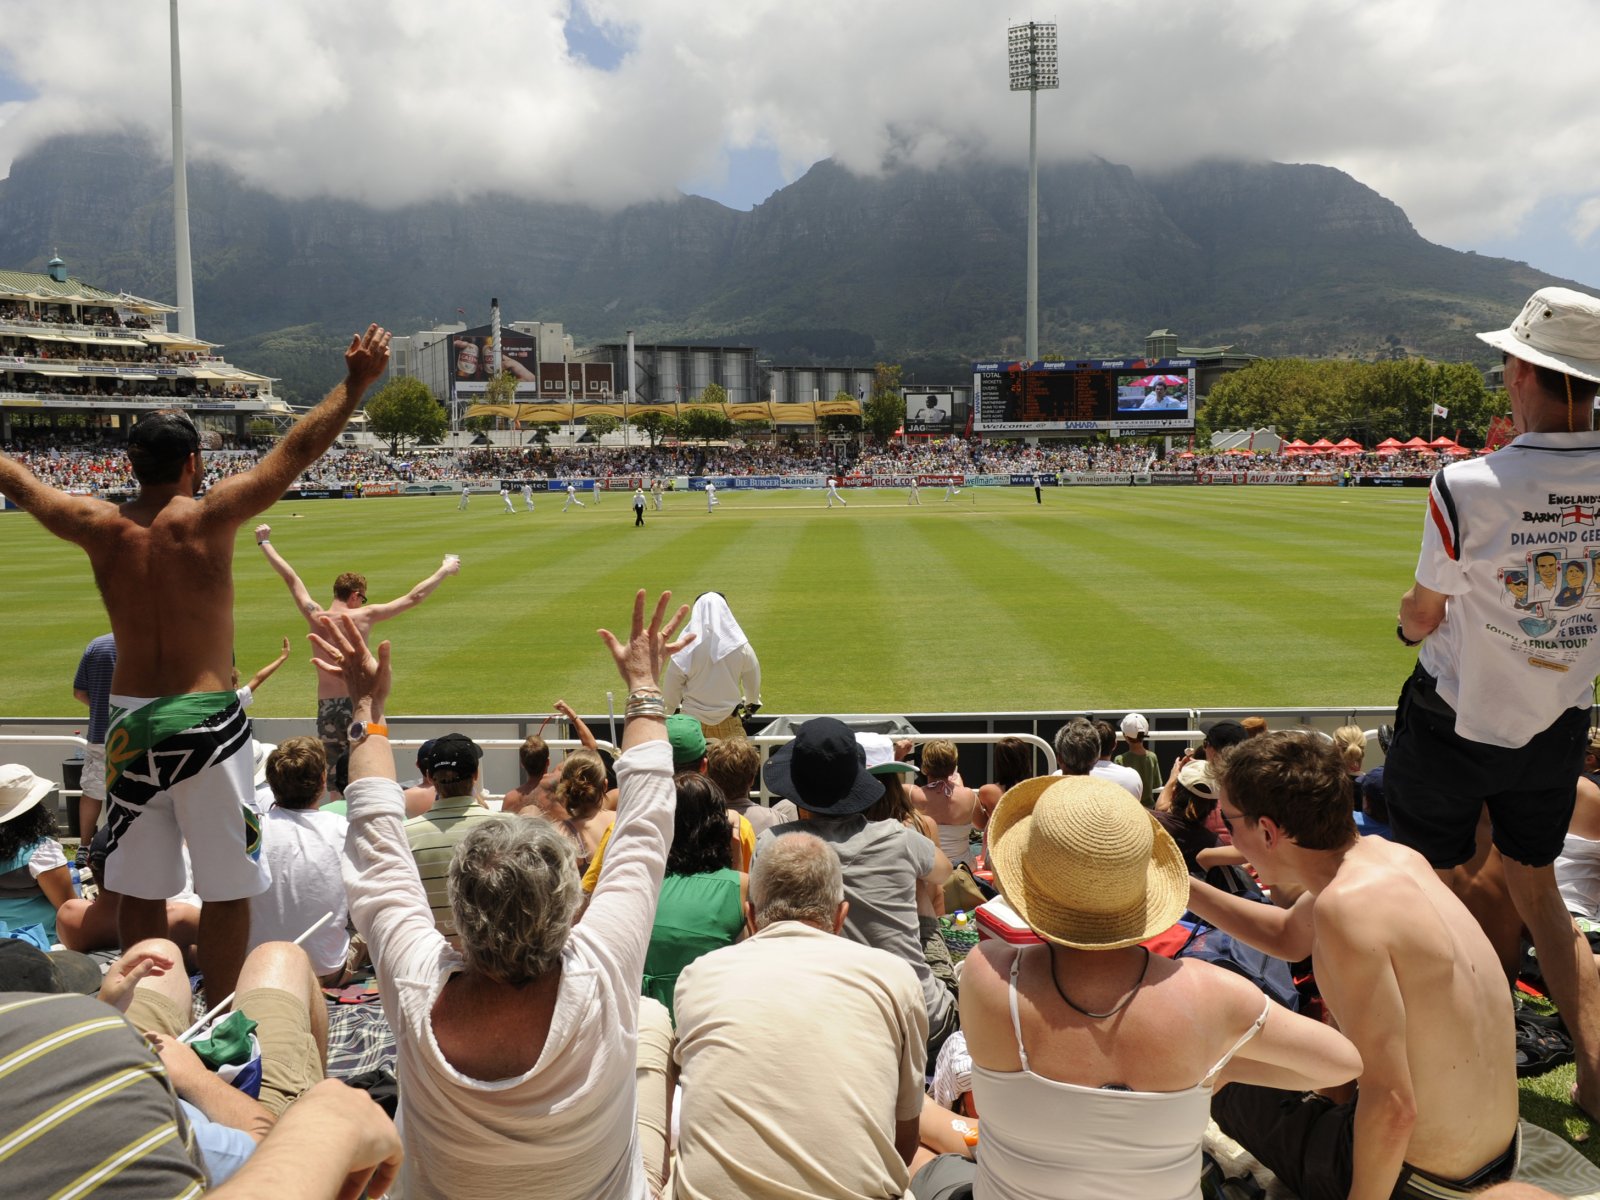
(180, 191)
(1033, 70)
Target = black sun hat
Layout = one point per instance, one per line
(823, 770)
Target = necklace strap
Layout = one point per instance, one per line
(1120, 1005)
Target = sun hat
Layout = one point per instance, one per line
(1084, 864)
(688, 740)
(879, 749)
(1557, 328)
(1198, 778)
(20, 790)
(822, 770)
(1134, 726)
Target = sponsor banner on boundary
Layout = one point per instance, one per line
(1042, 479)
(430, 489)
(1284, 477)
(758, 482)
(1172, 477)
(317, 493)
(379, 489)
(697, 483)
(1321, 478)
(1393, 480)
(1103, 478)
(862, 481)
(1220, 477)
(560, 485)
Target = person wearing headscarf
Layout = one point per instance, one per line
(717, 673)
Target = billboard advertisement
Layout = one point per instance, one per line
(1121, 396)
(930, 412)
(472, 361)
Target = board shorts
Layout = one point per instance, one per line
(92, 782)
(180, 769)
(334, 714)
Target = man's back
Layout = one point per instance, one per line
(1459, 1037)
(882, 861)
(433, 840)
(303, 848)
(845, 1022)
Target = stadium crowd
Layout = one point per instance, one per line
(733, 1000)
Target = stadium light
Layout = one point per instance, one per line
(1032, 54)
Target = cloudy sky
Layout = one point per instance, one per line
(1478, 117)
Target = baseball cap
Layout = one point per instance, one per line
(879, 749)
(1198, 778)
(1223, 732)
(1557, 328)
(454, 752)
(688, 740)
(26, 968)
(1135, 726)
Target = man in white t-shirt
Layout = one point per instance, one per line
(466, 494)
(846, 1020)
(304, 849)
(1495, 714)
(527, 496)
(572, 498)
(1104, 768)
(505, 498)
(711, 496)
(833, 493)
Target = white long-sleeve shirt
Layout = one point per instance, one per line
(709, 691)
(567, 1128)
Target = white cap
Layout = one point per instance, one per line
(1135, 726)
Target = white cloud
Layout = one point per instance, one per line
(1442, 106)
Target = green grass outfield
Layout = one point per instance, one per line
(1099, 599)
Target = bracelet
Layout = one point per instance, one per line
(637, 693)
(1400, 632)
(644, 708)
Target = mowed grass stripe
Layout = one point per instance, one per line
(1098, 597)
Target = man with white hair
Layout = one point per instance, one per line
(840, 1123)
(1496, 712)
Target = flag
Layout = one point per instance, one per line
(1440, 410)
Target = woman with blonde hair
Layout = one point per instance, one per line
(581, 791)
(950, 803)
(1352, 743)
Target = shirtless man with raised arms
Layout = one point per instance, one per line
(1405, 970)
(178, 759)
(349, 595)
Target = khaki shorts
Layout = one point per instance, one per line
(290, 1062)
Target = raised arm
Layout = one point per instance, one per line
(393, 608)
(302, 598)
(236, 499)
(271, 669)
(1282, 933)
(70, 518)
(579, 729)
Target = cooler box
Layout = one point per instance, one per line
(997, 919)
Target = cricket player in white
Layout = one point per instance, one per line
(462, 507)
(711, 496)
(527, 496)
(505, 496)
(916, 496)
(833, 493)
(655, 492)
(572, 498)
(950, 489)
(599, 486)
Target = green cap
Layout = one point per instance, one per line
(687, 738)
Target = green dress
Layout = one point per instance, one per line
(695, 915)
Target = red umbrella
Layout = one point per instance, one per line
(1389, 443)
(1350, 451)
(1322, 444)
(1297, 444)
(1441, 443)
(1415, 443)
(1455, 451)
(1348, 444)
(1388, 451)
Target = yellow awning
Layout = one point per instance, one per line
(799, 413)
(760, 411)
(838, 408)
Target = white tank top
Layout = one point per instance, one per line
(1047, 1140)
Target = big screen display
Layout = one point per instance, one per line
(930, 412)
(1115, 395)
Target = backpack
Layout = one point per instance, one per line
(1271, 975)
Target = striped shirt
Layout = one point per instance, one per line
(433, 838)
(85, 1106)
(95, 669)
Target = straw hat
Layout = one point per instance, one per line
(1083, 863)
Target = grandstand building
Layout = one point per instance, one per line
(69, 347)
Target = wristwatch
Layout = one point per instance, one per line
(364, 729)
(1400, 632)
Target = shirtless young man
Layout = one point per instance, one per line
(1404, 969)
(178, 761)
(349, 595)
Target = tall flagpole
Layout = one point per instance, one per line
(180, 193)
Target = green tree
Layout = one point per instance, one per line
(706, 425)
(714, 393)
(404, 410)
(885, 409)
(602, 424)
(655, 424)
(502, 389)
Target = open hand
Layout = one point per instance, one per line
(341, 652)
(367, 356)
(116, 989)
(640, 659)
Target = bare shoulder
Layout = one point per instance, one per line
(1374, 883)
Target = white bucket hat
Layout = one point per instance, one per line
(1557, 328)
(20, 790)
